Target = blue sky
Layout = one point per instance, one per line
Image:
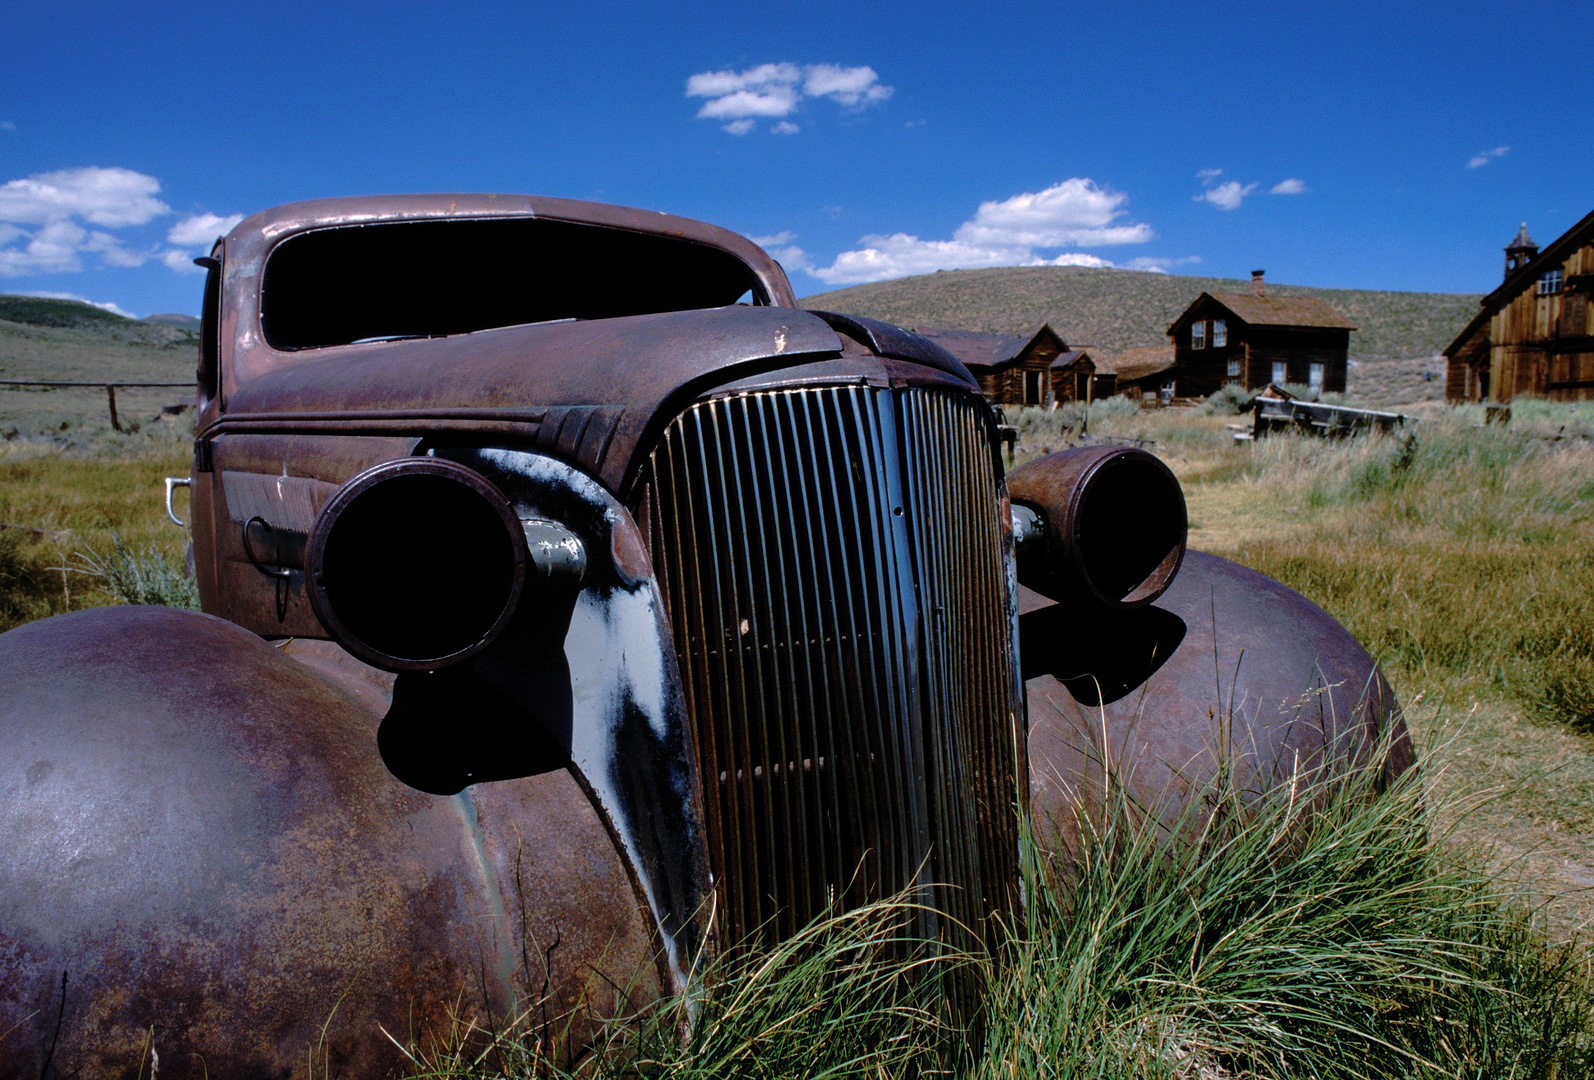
(1379, 146)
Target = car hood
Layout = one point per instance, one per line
(587, 390)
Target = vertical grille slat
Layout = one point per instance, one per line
(831, 560)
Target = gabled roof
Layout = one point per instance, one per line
(1072, 357)
(985, 352)
(1302, 311)
(1143, 362)
(1524, 277)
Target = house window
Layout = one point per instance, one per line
(1550, 283)
(1234, 366)
(1280, 376)
(1220, 335)
(1198, 334)
(1314, 377)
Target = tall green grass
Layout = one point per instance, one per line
(76, 525)
(1354, 942)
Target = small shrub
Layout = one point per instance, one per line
(1229, 400)
(139, 577)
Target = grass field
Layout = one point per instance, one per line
(1438, 930)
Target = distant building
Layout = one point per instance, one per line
(1016, 369)
(1078, 376)
(1251, 340)
(1146, 372)
(1532, 334)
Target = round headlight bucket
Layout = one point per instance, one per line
(1115, 525)
(416, 564)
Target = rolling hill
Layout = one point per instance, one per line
(71, 341)
(1113, 310)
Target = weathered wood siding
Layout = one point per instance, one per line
(1467, 373)
(1541, 344)
(1007, 384)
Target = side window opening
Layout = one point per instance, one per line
(209, 328)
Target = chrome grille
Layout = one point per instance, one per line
(832, 564)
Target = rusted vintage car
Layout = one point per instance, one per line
(576, 606)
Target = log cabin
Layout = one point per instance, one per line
(1532, 335)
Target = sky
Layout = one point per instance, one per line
(1387, 146)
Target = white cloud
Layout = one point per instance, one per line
(1226, 196)
(180, 262)
(717, 84)
(782, 250)
(112, 253)
(1478, 160)
(1208, 174)
(1291, 186)
(8, 125)
(792, 257)
(52, 250)
(110, 197)
(1076, 211)
(779, 101)
(102, 305)
(900, 255)
(201, 230)
(1078, 258)
(59, 207)
(775, 91)
(1002, 233)
(853, 87)
(1151, 264)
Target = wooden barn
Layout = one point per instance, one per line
(1015, 369)
(1255, 339)
(1532, 335)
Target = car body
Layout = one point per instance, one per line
(578, 607)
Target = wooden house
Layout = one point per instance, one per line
(1146, 374)
(1254, 339)
(1532, 335)
(1078, 376)
(1011, 369)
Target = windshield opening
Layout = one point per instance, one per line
(353, 283)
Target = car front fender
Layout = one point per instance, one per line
(205, 857)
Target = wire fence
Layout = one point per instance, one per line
(109, 388)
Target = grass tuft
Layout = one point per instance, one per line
(1360, 943)
(143, 576)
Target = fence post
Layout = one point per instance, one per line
(110, 392)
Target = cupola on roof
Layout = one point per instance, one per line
(1523, 240)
